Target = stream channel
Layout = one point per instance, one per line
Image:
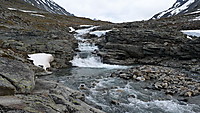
(113, 95)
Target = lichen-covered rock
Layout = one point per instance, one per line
(6, 88)
(47, 97)
(16, 76)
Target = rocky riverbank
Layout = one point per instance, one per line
(172, 81)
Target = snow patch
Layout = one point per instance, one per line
(86, 25)
(12, 9)
(195, 19)
(37, 15)
(183, 7)
(195, 12)
(71, 29)
(41, 60)
(176, 9)
(192, 32)
(100, 33)
(25, 11)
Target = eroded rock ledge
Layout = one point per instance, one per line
(21, 92)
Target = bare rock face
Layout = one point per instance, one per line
(15, 77)
(151, 42)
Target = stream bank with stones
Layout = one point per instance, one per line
(142, 88)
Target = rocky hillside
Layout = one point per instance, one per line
(25, 29)
(49, 5)
(180, 7)
(153, 42)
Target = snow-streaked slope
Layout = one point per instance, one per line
(180, 7)
(49, 5)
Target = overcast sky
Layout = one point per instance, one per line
(115, 10)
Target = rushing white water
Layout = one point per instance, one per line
(87, 57)
(137, 100)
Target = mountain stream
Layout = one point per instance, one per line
(112, 95)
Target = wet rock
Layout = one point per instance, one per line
(83, 87)
(115, 102)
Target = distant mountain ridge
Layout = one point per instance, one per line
(180, 7)
(49, 5)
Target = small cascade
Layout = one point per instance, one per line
(87, 56)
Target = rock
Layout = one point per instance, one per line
(6, 88)
(140, 78)
(83, 87)
(16, 76)
(47, 97)
(158, 85)
(115, 102)
(150, 45)
(188, 94)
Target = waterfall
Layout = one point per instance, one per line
(87, 56)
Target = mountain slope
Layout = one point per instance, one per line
(49, 5)
(180, 7)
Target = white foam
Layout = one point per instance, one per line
(41, 59)
(84, 45)
(93, 62)
(166, 105)
(87, 47)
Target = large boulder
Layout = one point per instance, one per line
(15, 77)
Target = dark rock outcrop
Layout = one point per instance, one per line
(16, 77)
(47, 97)
(150, 42)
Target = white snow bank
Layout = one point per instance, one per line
(100, 33)
(41, 60)
(192, 32)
